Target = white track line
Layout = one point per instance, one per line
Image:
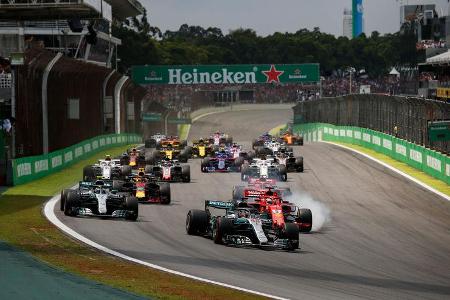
(50, 215)
(422, 184)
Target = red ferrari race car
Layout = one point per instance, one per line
(257, 187)
(145, 188)
(281, 211)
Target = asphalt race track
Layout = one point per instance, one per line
(387, 237)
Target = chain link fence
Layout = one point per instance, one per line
(403, 117)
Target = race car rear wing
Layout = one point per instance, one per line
(98, 183)
(218, 204)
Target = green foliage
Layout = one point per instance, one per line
(144, 44)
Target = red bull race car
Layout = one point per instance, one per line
(145, 188)
(134, 158)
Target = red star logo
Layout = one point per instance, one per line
(273, 75)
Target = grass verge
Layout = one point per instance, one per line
(276, 130)
(417, 174)
(23, 225)
(184, 131)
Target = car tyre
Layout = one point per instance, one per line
(304, 220)
(132, 206)
(223, 227)
(196, 222)
(291, 232)
(164, 192)
(72, 201)
(62, 201)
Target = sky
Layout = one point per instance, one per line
(269, 16)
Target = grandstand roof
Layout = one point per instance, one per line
(440, 59)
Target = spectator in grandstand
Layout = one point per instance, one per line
(7, 124)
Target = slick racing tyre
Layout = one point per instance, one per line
(64, 194)
(238, 162)
(164, 192)
(117, 185)
(282, 173)
(292, 234)
(245, 170)
(196, 222)
(88, 173)
(304, 220)
(186, 173)
(204, 165)
(151, 143)
(299, 164)
(238, 192)
(148, 169)
(71, 203)
(132, 206)
(125, 171)
(223, 227)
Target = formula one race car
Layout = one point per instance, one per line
(222, 161)
(259, 142)
(243, 226)
(269, 201)
(170, 170)
(99, 199)
(174, 141)
(106, 169)
(265, 168)
(272, 148)
(202, 148)
(167, 152)
(133, 158)
(236, 151)
(257, 187)
(154, 140)
(293, 164)
(220, 138)
(145, 188)
(291, 139)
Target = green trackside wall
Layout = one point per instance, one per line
(431, 162)
(30, 168)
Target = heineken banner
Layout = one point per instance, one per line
(226, 74)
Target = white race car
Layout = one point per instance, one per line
(106, 169)
(154, 140)
(264, 168)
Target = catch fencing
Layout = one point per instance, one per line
(429, 161)
(404, 117)
(30, 168)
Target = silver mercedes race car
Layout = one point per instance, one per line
(99, 199)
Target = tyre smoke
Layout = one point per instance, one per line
(320, 212)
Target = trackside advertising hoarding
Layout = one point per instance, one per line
(30, 168)
(431, 162)
(226, 74)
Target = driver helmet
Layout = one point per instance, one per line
(242, 213)
(108, 157)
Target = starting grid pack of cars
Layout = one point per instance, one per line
(258, 214)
